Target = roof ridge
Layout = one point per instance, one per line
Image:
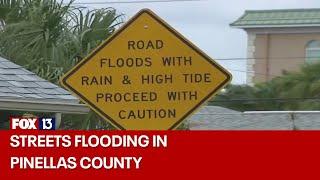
(279, 17)
(282, 10)
(263, 19)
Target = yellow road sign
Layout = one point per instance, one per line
(146, 76)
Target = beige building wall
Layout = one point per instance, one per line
(271, 53)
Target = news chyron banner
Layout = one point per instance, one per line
(47, 154)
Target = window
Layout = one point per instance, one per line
(313, 51)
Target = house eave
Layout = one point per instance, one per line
(40, 106)
(273, 26)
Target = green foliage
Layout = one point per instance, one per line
(89, 122)
(302, 84)
(91, 27)
(233, 92)
(10, 11)
(39, 34)
(49, 37)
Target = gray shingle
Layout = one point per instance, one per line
(46, 85)
(3, 60)
(11, 71)
(48, 91)
(11, 65)
(5, 84)
(17, 82)
(29, 77)
(215, 119)
(20, 90)
(9, 95)
(11, 77)
(2, 65)
(66, 97)
(34, 91)
(27, 72)
(32, 96)
(5, 90)
(48, 96)
(256, 120)
(28, 84)
(62, 91)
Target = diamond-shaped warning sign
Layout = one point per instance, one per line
(146, 76)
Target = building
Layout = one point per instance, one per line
(220, 118)
(22, 90)
(279, 40)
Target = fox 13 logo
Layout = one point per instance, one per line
(23, 123)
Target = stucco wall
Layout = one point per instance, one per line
(260, 55)
(275, 52)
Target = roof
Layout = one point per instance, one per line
(213, 118)
(279, 18)
(18, 85)
(219, 118)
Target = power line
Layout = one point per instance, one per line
(137, 1)
(267, 100)
(256, 73)
(261, 58)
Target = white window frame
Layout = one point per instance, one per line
(308, 49)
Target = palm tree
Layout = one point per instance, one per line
(9, 11)
(49, 37)
(91, 27)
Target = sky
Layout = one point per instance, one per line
(206, 24)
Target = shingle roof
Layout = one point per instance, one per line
(279, 18)
(21, 84)
(214, 117)
(219, 118)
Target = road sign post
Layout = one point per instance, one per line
(146, 76)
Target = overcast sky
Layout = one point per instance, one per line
(206, 24)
